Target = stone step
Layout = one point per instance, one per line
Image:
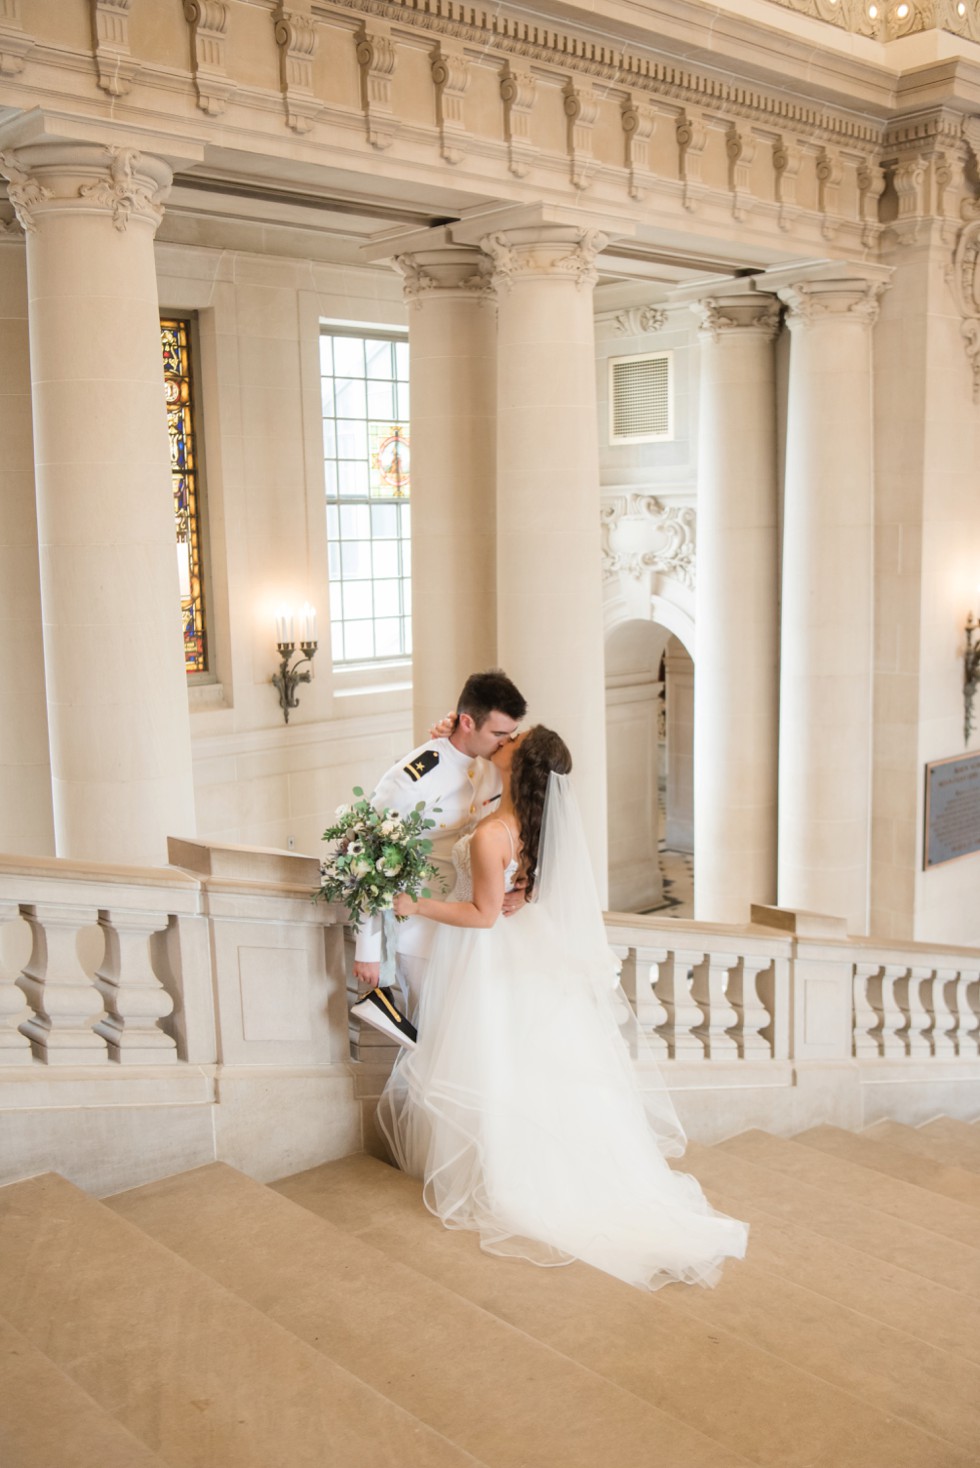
(714, 1378)
(437, 1354)
(893, 1240)
(960, 1136)
(920, 1143)
(199, 1376)
(47, 1421)
(897, 1198)
(893, 1161)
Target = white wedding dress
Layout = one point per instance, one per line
(531, 1108)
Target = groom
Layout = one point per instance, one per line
(452, 776)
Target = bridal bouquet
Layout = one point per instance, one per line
(378, 854)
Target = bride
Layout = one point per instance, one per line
(531, 1107)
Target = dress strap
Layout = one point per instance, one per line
(510, 836)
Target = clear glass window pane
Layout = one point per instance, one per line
(333, 561)
(335, 591)
(329, 439)
(387, 598)
(386, 558)
(357, 601)
(330, 478)
(378, 357)
(333, 522)
(358, 641)
(388, 637)
(348, 356)
(352, 439)
(349, 392)
(404, 411)
(352, 477)
(381, 399)
(355, 560)
(355, 522)
(384, 522)
(401, 359)
(326, 356)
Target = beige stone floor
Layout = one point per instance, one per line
(207, 1321)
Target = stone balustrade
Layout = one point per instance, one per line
(153, 1019)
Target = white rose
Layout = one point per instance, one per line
(362, 867)
(387, 827)
(342, 810)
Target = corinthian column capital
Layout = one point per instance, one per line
(560, 252)
(722, 315)
(54, 178)
(828, 291)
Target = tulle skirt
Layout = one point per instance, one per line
(533, 1116)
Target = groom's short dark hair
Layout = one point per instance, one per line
(483, 692)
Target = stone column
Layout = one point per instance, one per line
(452, 337)
(117, 699)
(549, 584)
(827, 626)
(736, 684)
(26, 826)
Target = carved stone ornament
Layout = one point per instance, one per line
(15, 44)
(638, 124)
(740, 149)
(208, 21)
(376, 57)
(760, 313)
(640, 320)
(581, 110)
(517, 93)
(786, 160)
(692, 136)
(811, 302)
(830, 173)
(964, 280)
(125, 192)
(450, 77)
(296, 37)
(545, 258)
(114, 65)
(418, 282)
(24, 192)
(641, 535)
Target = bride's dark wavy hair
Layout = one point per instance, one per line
(539, 754)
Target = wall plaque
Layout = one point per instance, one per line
(952, 808)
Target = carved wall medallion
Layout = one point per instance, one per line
(640, 320)
(642, 535)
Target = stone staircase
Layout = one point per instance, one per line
(208, 1321)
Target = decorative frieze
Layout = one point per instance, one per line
(15, 44)
(642, 536)
(296, 37)
(638, 127)
(114, 65)
(581, 110)
(517, 93)
(208, 22)
(450, 78)
(376, 57)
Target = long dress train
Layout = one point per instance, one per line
(531, 1108)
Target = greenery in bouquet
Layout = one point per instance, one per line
(377, 854)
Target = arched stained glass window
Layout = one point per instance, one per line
(178, 375)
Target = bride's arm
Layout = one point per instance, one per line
(489, 855)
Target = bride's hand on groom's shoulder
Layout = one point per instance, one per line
(444, 727)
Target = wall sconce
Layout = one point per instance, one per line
(971, 675)
(287, 677)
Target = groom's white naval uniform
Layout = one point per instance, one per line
(457, 790)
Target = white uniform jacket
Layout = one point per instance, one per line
(458, 790)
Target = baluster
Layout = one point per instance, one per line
(945, 1008)
(894, 1019)
(15, 1048)
(867, 1012)
(684, 1018)
(135, 999)
(65, 1002)
(912, 995)
(745, 997)
(651, 1013)
(708, 985)
(970, 1005)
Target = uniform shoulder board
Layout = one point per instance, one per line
(422, 764)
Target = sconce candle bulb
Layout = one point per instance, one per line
(287, 677)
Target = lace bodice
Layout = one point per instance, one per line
(463, 890)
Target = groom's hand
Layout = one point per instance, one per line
(368, 973)
(513, 901)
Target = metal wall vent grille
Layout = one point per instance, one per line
(641, 398)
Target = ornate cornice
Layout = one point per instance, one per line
(634, 73)
(889, 20)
